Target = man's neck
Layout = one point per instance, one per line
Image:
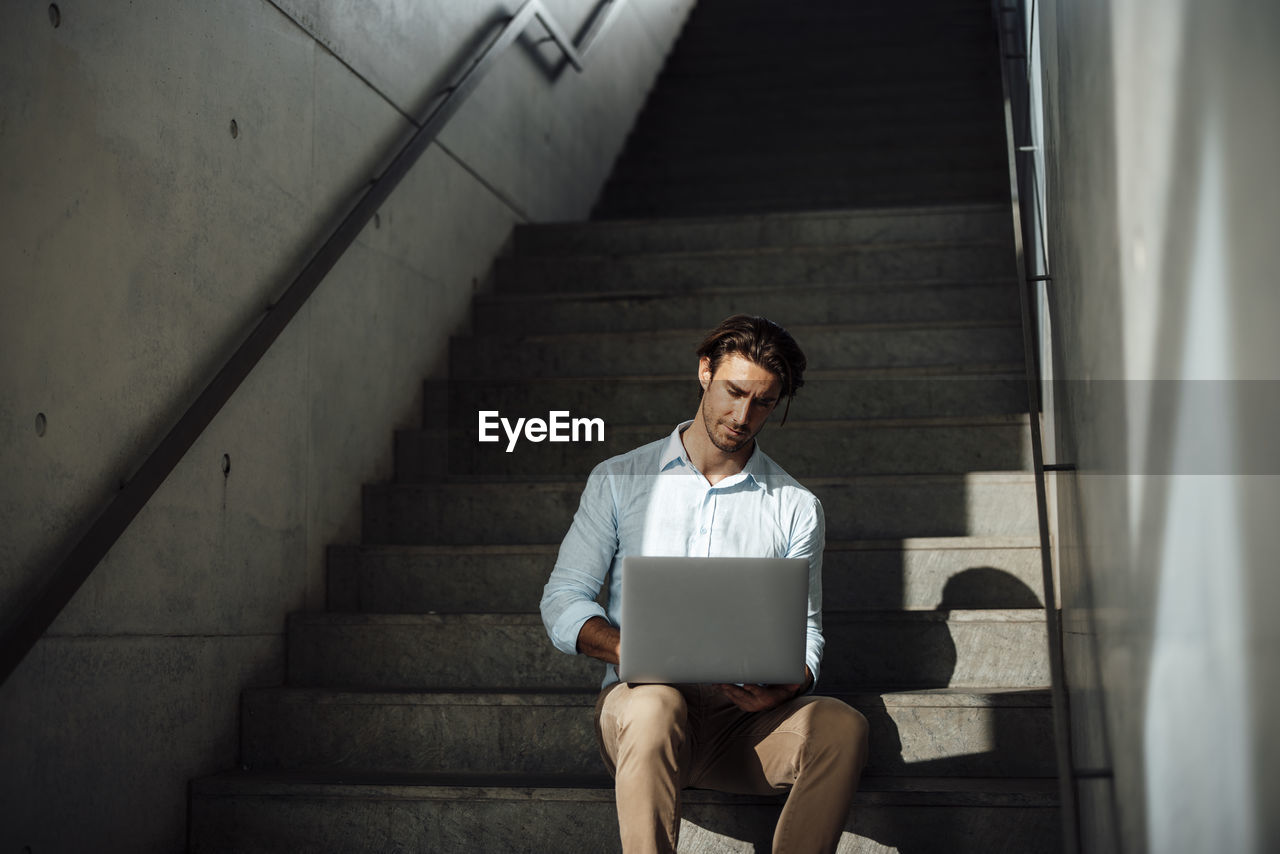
(714, 464)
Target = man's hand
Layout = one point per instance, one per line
(598, 639)
(761, 698)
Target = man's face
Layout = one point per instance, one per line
(737, 401)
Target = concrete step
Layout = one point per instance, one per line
(702, 156)
(918, 733)
(792, 64)
(760, 25)
(781, 199)
(800, 179)
(830, 346)
(831, 28)
(867, 121)
(766, 16)
(868, 136)
(764, 195)
(838, 92)
(957, 224)
(802, 448)
(921, 159)
(947, 101)
(808, 112)
(922, 391)
(418, 652)
(797, 54)
(866, 575)
(917, 156)
(871, 507)
(830, 32)
(926, 158)
(872, 58)
(729, 12)
(902, 78)
(760, 268)
(626, 312)
(777, 71)
(284, 813)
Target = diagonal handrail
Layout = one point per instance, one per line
(1015, 64)
(78, 563)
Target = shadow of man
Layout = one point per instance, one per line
(932, 733)
(925, 736)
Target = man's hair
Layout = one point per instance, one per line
(762, 341)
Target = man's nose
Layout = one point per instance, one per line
(740, 410)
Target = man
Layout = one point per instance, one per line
(709, 490)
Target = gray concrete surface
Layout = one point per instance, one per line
(836, 265)
(844, 105)
(668, 399)
(896, 302)
(843, 227)
(429, 681)
(828, 347)
(804, 449)
(862, 575)
(871, 507)
(1158, 140)
(925, 733)
(909, 649)
(139, 237)
(246, 815)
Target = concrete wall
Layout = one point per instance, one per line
(138, 238)
(1161, 125)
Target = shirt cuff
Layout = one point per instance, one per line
(564, 634)
(813, 668)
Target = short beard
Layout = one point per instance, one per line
(710, 427)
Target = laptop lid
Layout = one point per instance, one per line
(689, 619)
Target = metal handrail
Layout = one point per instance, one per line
(1017, 106)
(71, 571)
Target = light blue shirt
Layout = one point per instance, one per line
(652, 501)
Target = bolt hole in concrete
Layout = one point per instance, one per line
(55, 15)
(235, 129)
(42, 423)
(226, 465)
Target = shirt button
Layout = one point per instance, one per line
(703, 531)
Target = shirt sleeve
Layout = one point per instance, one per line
(569, 597)
(808, 540)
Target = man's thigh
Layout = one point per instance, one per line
(644, 715)
(762, 752)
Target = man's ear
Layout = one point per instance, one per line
(704, 372)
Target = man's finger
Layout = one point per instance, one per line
(733, 692)
(743, 699)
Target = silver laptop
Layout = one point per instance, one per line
(689, 619)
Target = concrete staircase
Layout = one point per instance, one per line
(425, 710)
(766, 105)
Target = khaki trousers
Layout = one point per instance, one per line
(659, 739)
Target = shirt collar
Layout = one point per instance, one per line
(674, 454)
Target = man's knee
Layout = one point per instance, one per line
(837, 730)
(640, 720)
(651, 707)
